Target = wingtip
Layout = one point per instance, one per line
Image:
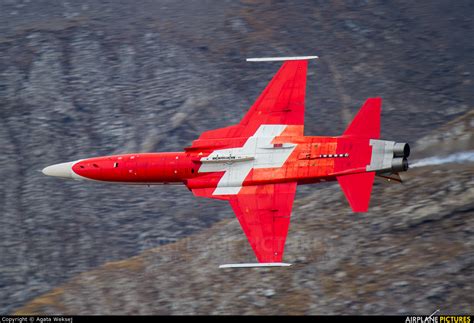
(255, 265)
(278, 59)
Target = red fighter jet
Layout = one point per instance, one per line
(257, 163)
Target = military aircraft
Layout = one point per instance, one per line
(257, 164)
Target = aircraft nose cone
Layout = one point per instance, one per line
(59, 170)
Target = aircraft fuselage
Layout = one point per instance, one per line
(307, 160)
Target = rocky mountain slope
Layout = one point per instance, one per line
(90, 78)
(412, 253)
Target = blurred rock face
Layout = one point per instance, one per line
(79, 94)
(410, 253)
(87, 79)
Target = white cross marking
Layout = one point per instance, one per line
(258, 146)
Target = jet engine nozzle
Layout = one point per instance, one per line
(399, 164)
(401, 149)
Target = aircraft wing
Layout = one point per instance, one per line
(282, 103)
(264, 214)
(262, 210)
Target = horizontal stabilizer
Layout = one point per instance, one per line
(258, 264)
(357, 189)
(278, 59)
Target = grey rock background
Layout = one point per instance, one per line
(408, 255)
(80, 79)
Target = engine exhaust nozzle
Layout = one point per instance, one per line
(401, 149)
(399, 164)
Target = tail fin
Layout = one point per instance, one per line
(357, 188)
(366, 123)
